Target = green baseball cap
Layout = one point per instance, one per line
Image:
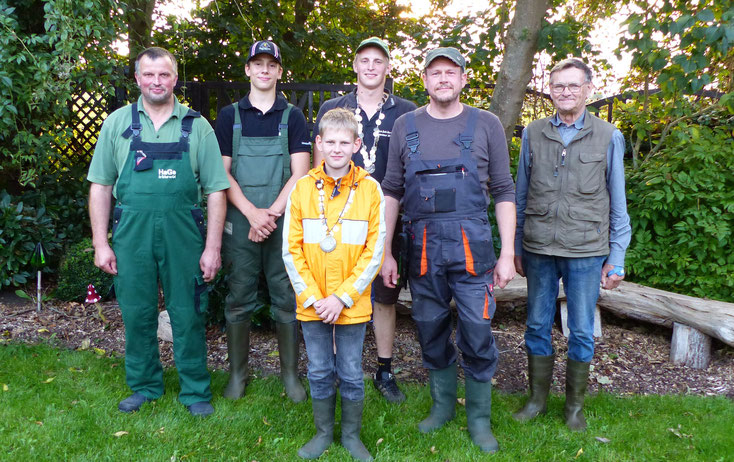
(374, 42)
(445, 52)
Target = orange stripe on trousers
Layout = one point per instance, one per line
(424, 258)
(486, 305)
(467, 255)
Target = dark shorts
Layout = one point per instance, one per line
(380, 293)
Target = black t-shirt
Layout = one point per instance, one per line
(393, 108)
(256, 124)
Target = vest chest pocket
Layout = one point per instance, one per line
(591, 170)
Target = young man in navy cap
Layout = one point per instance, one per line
(266, 148)
(377, 110)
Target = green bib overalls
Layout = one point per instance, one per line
(158, 234)
(261, 166)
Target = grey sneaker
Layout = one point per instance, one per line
(386, 384)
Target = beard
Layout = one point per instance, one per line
(444, 97)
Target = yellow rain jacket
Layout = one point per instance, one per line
(349, 269)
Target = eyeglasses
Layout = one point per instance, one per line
(574, 88)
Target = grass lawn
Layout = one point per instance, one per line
(57, 404)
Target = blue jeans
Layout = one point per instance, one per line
(581, 279)
(324, 366)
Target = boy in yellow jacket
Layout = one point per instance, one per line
(336, 236)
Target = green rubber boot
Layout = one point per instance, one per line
(443, 393)
(351, 427)
(288, 351)
(540, 373)
(238, 350)
(479, 413)
(577, 377)
(323, 419)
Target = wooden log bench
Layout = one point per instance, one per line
(694, 320)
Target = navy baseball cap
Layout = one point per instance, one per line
(264, 47)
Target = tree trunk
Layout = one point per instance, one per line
(521, 43)
(139, 27)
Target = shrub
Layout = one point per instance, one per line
(77, 271)
(681, 204)
(21, 228)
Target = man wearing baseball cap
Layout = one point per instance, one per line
(266, 148)
(376, 109)
(441, 158)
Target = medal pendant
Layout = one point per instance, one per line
(328, 244)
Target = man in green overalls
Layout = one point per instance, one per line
(157, 157)
(266, 148)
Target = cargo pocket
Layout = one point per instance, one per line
(478, 250)
(198, 216)
(489, 304)
(583, 228)
(418, 259)
(201, 295)
(538, 228)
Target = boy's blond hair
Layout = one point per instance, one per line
(339, 119)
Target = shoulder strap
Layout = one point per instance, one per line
(283, 135)
(411, 136)
(135, 126)
(186, 126)
(236, 135)
(467, 137)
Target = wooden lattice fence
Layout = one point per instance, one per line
(91, 107)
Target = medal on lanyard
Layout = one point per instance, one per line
(328, 243)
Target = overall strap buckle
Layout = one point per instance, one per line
(411, 138)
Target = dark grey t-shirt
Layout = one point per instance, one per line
(438, 140)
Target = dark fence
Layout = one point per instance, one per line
(90, 107)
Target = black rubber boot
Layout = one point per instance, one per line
(540, 373)
(577, 377)
(479, 413)
(238, 349)
(351, 427)
(323, 419)
(288, 352)
(443, 393)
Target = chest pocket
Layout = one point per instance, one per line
(592, 169)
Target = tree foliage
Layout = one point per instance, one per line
(682, 209)
(316, 38)
(50, 49)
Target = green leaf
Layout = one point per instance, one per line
(22, 294)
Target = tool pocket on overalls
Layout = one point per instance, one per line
(445, 200)
(198, 216)
(489, 303)
(116, 216)
(476, 237)
(418, 258)
(201, 295)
